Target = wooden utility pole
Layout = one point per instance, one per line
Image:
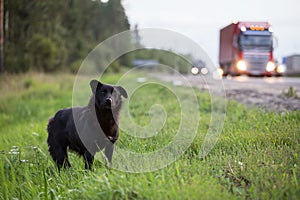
(1, 35)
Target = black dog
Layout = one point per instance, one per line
(88, 129)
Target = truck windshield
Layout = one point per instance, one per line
(255, 41)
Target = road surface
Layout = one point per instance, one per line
(270, 93)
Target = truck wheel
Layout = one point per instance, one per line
(225, 70)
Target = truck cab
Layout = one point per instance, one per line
(247, 48)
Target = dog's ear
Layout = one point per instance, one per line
(94, 85)
(122, 91)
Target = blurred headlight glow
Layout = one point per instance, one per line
(270, 29)
(195, 70)
(204, 71)
(241, 65)
(217, 74)
(220, 71)
(270, 66)
(281, 68)
(243, 28)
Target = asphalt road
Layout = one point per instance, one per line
(273, 85)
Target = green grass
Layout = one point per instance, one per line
(256, 156)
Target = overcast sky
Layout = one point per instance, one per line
(201, 20)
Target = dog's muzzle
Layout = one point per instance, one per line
(108, 101)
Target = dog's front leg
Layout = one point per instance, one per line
(88, 160)
(109, 150)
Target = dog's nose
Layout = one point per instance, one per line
(108, 101)
(111, 139)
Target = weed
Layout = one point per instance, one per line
(28, 83)
(291, 93)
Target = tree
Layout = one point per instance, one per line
(1, 34)
(70, 29)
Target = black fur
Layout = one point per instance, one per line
(88, 129)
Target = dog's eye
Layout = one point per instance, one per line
(103, 92)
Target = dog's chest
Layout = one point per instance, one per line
(109, 127)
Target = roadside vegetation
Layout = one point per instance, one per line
(57, 35)
(256, 156)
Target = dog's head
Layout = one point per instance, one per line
(107, 96)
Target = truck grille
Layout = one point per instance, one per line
(256, 62)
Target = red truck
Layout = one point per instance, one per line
(247, 48)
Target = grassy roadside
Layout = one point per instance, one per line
(256, 156)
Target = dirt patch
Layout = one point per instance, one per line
(269, 101)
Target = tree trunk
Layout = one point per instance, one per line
(1, 35)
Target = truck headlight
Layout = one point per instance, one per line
(281, 69)
(241, 65)
(270, 66)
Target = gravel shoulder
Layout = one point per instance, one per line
(268, 93)
(269, 101)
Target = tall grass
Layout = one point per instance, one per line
(256, 156)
